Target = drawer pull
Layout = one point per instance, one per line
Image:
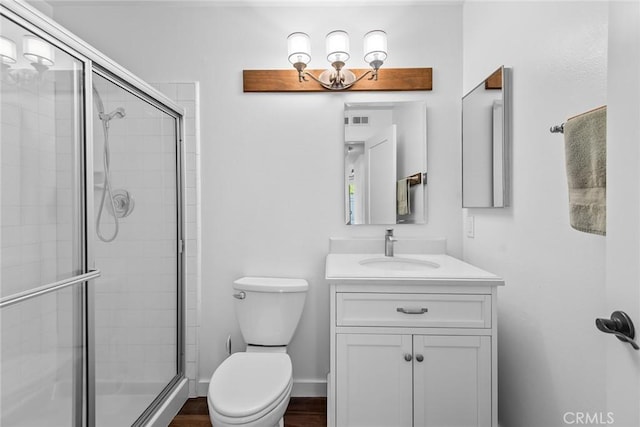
(412, 310)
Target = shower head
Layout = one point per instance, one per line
(118, 113)
(98, 101)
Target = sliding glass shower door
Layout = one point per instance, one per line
(91, 282)
(41, 135)
(135, 159)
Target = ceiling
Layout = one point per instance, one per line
(241, 3)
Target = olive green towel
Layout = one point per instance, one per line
(403, 197)
(585, 139)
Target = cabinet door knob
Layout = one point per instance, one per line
(407, 357)
(419, 357)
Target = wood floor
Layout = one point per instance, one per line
(302, 412)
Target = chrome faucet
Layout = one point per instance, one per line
(389, 240)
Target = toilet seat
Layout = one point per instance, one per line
(248, 386)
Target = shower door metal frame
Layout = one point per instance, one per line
(93, 60)
(180, 203)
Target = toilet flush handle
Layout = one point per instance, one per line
(240, 295)
(228, 345)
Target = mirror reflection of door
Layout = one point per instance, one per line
(485, 142)
(354, 182)
(380, 154)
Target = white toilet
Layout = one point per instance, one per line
(252, 389)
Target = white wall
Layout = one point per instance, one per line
(272, 164)
(551, 356)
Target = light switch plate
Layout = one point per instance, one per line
(470, 227)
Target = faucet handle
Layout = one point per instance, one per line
(389, 232)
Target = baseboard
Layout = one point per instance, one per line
(301, 388)
(309, 388)
(202, 388)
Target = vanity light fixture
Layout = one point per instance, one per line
(337, 78)
(38, 52)
(337, 47)
(8, 53)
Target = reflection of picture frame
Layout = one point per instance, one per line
(494, 81)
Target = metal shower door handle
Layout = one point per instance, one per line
(621, 326)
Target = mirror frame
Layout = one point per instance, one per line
(501, 154)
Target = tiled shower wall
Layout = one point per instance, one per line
(37, 236)
(132, 330)
(188, 96)
(135, 298)
(29, 214)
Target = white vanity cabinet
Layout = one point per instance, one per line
(412, 353)
(373, 380)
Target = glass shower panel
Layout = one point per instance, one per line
(136, 222)
(40, 133)
(39, 359)
(41, 117)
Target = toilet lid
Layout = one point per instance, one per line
(247, 383)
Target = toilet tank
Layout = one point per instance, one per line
(268, 309)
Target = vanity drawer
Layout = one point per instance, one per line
(413, 310)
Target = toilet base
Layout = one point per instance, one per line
(268, 420)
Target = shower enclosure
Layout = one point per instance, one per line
(91, 290)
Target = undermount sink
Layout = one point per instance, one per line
(399, 264)
(416, 261)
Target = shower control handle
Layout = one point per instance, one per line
(240, 295)
(621, 326)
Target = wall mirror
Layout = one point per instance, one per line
(385, 162)
(486, 124)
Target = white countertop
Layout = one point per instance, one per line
(347, 267)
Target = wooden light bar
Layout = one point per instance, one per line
(389, 79)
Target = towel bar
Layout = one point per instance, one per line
(560, 128)
(417, 178)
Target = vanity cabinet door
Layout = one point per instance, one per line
(452, 381)
(373, 380)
